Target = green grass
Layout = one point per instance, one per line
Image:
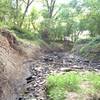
(83, 41)
(94, 78)
(59, 84)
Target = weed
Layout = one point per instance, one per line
(58, 84)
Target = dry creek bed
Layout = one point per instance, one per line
(50, 63)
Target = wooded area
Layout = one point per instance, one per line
(49, 49)
(57, 19)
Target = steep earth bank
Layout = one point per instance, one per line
(14, 56)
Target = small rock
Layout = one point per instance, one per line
(50, 59)
(30, 79)
(20, 98)
(66, 69)
(46, 59)
(86, 61)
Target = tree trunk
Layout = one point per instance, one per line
(26, 9)
(50, 7)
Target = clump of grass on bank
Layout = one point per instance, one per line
(88, 48)
(59, 84)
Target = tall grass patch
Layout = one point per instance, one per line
(59, 83)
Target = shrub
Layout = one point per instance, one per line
(88, 48)
(94, 78)
(83, 41)
(59, 83)
(56, 94)
(25, 34)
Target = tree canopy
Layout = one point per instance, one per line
(57, 19)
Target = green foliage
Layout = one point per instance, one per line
(83, 41)
(94, 78)
(59, 20)
(92, 18)
(5, 10)
(25, 34)
(69, 81)
(56, 94)
(59, 84)
(90, 48)
(45, 13)
(34, 14)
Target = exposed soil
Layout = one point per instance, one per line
(13, 71)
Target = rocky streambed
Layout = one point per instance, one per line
(50, 63)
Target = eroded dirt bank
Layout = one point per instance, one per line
(13, 64)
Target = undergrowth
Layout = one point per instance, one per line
(88, 48)
(59, 84)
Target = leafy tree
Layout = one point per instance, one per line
(4, 10)
(34, 16)
(91, 17)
